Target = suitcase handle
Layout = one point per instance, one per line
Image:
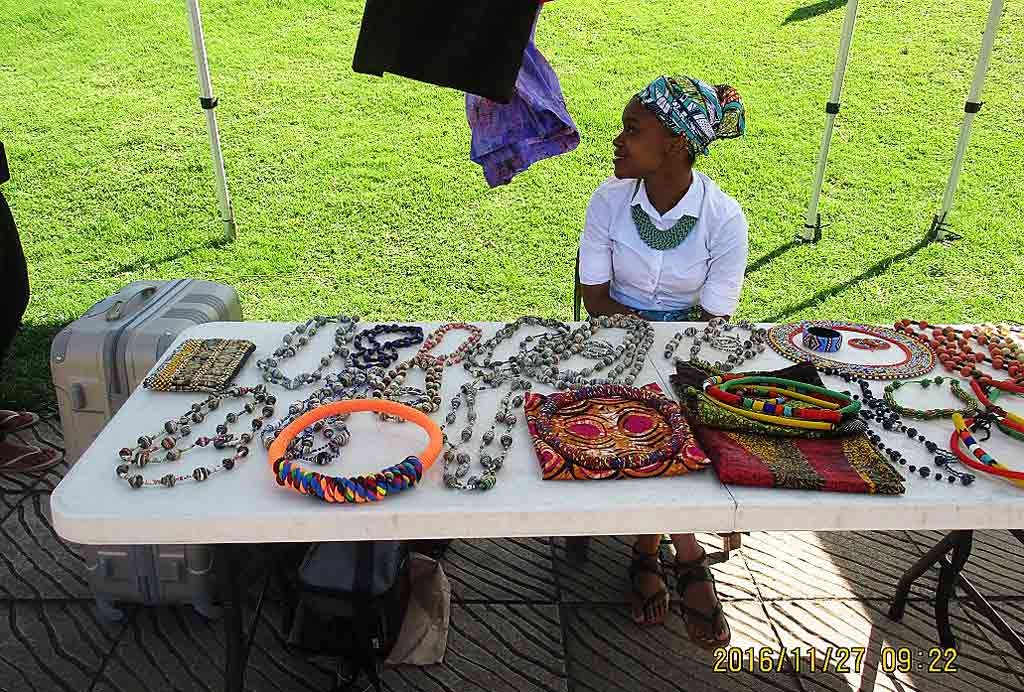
(123, 308)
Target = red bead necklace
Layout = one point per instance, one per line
(956, 353)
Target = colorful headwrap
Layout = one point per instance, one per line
(699, 111)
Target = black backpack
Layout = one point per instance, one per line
(351, 601)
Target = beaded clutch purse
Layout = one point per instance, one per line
(610, 432)
(201, 365)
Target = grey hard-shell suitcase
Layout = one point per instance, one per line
(150, 574)
(97, 361)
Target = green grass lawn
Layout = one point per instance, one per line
(356, 193)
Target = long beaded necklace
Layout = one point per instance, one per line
(455, 478)
(970, 405)
(391, 385)
(876, 409)
(624, 362)
(488, 373)
(176, 430)
(480, 359)
(954, 350)
(297, 339)
(350, 383)
(716, 335)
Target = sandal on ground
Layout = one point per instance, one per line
(13, 421)
(691, 572)
(18, 458)
(652, 608)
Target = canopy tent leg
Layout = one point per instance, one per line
(940, 229)
(811, 231)
(209, 103)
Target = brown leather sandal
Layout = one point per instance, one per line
(19, 458)
(648, 563)
(694, 571)
(13, 421)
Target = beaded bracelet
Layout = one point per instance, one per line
(978, 458)
(970, 405)
(669, 409)
(354, 489)
(821, 339)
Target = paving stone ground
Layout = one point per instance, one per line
(526, 619)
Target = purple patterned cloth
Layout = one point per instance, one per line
(534, 125)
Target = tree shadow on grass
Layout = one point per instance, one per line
(813, 10)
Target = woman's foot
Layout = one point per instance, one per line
(702, 610)
(650, 597)
(13, 421)
(19, 458)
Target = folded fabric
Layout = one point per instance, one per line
(474, 46)
(843, 464)
(610, 437)
(534, 125)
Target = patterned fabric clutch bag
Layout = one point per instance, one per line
(201, 365)
(840, 464)
(609, 432)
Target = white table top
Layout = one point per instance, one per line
(91, 505)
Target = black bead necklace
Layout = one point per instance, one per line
(876, 409)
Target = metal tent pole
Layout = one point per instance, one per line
(940, 229)
(209, 103)
(812, 225)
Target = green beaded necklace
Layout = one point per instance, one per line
(660, 240)
(971, 406)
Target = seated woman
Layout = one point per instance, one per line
(662, 241)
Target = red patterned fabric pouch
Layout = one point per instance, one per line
(609, 432)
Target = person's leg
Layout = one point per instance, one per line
(650, 597)
(14, 293)
(14, 289)
(705, 621)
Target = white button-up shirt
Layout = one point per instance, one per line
(706, 269)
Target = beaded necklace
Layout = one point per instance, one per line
(624, 362)
(716, 335)
(373, 353)
(970, 405)
(390, 385)
(876, 409)
(954, 350)
(455, 478)
(350, 383)
(175, 430)
(488, 373)
(297, 339)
